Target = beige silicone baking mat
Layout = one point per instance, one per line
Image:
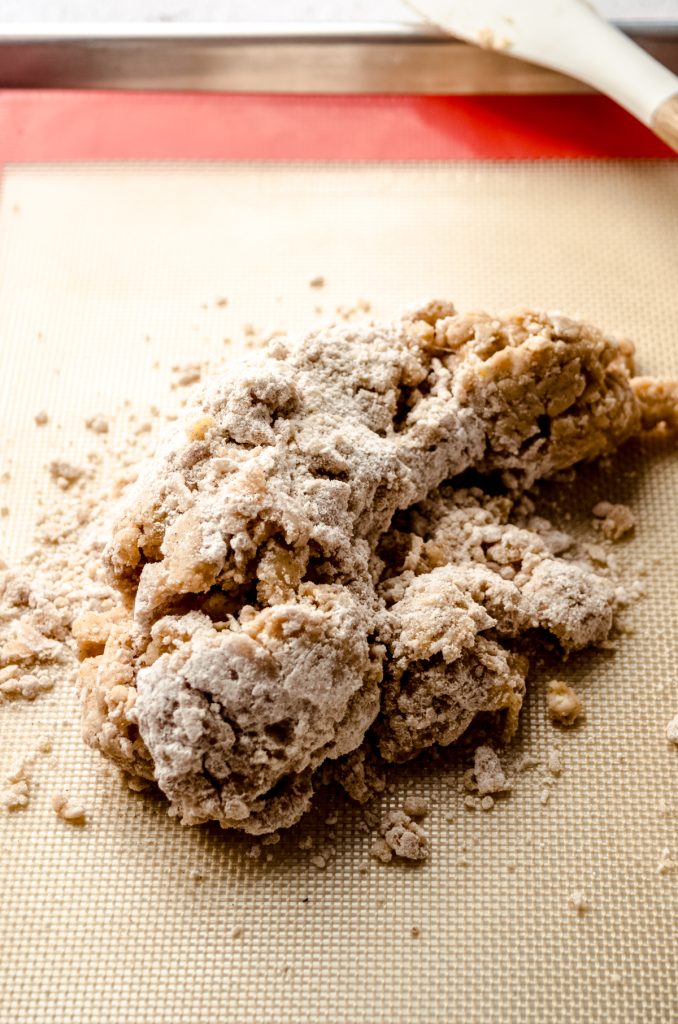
(111, 274)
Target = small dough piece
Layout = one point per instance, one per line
(400, 837)
(70, 811)
(613, 521)
(489, 775)
(564, 704)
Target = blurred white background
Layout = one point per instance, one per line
(272, 10)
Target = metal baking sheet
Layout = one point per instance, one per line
(345, 57)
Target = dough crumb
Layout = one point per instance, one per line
(400, 837)
(613, 521)
(41, 418)
(667, 863)
(15, 796)
(44, 745)
(237, 932)
(487, 803)
(186, 375)
(317, 282)
(97, 424)
(672, 731)
(565, 706)
(416, 806)
(65, 474)
(380, 850)
(578, 903)
(554, 761)
(489, 775)
(415, 932)
(69, 810)
(13, 684)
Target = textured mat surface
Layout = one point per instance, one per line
(110, 275)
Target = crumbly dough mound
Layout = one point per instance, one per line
(230, 713)
(474, 581)
(270, 605)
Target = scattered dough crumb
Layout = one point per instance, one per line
(41, 418)
(488, 772)
(69, 810)
(667, 864)
(189, 374)
(237, 932)
(578, 903)
(97, 424)
(14, 684)
(672, 731)
(564, 705)
(15, 795)
(555, 761)
(416, 807)
(400, 837)
(65, 474)
(613, 521)
(380, 850)
(317, 282)
(415, 932)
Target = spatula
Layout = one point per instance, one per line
(569, 36)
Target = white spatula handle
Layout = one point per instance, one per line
(597, 53)
(665, 121)
(569, 36)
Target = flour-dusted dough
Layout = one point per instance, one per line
(279, 619)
